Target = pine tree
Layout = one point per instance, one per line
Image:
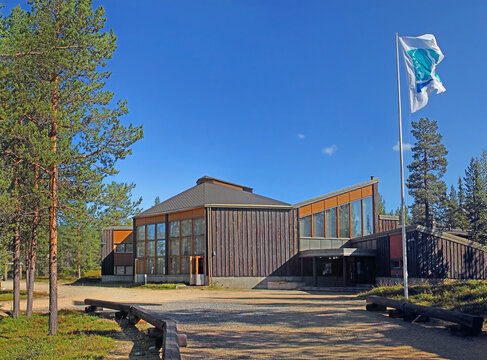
(74, 130)
(452, 210)
(426, 170)
(462, 213)
(475, 201)
(157, 200)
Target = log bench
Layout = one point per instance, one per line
(467, 324)
(165, 331)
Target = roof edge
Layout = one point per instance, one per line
(337, 192)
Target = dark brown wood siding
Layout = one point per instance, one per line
(430, 256)
(107, 252)
(254, 242)
(387, 224)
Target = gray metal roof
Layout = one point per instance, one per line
(211, 195)
(335, 193)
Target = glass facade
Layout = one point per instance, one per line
(187, 239)
(305, 226)
(356, 218)
(368, 216)
(331, 223)
(344, 221)
(319, 224)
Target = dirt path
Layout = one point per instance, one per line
(264, 324)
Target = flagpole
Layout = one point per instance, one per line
(403, 206)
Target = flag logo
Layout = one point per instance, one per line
(421, 56)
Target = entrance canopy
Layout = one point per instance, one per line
(337, 252)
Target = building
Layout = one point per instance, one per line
(224, 234)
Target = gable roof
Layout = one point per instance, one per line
(208, 194)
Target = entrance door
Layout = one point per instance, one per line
(197, 270)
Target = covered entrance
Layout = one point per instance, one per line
(339, 267)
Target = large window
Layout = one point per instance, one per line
(368, 216)
(174, 243)
(305, 226)
(331, 223)
(349, 220)
(356, 218)
(161, 248)
(319, 224)
(141, 242)
(187, 238)
(344, 221)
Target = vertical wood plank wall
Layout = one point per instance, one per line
(107, 252)
(430, 256)
(254, 242)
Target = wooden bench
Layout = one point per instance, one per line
(165, 331)
(469, 324)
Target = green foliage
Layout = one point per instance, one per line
(7, 295)
(168, 286)
(397, 212)
(426, 170)
(382, 205)
(476, 200)
(465, 296)
(80, 336)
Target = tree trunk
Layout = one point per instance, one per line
(16, 271)
(53, 208)
(31, 261)
(79, 252)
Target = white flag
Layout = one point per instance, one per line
(421, 55)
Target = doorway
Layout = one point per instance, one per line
(197, 270)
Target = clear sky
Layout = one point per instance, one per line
(292, 98)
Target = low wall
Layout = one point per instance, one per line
(249, 282)
(117, 278)
(163, 278)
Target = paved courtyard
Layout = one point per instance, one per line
(265, 324)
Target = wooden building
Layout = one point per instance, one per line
(223, 234)
(117, 253)
(220, 233)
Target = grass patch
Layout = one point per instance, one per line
(168, 286)
(466, 296)
(80, 336)
(7, 295)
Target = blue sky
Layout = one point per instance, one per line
(292, 98)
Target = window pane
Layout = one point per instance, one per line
(331, 223)
(151, 231)
(119, 270)
(186, 227)
(141, 233)
(319, 224)
(199, 245)
(186, 246)
(128, 270)
(305, 226)
(151, 250)
(161, 265)
(344, 220)
(368, 216)
(150, 266)
(174, 226)
(356, 218)
(174, 265)
(184, 264)
(161, 247)
(120, 248)
(174, 247)
(129, 247)
(161, 231)
(199, 226)
(140, 249)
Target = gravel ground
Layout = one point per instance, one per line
(265, 324)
